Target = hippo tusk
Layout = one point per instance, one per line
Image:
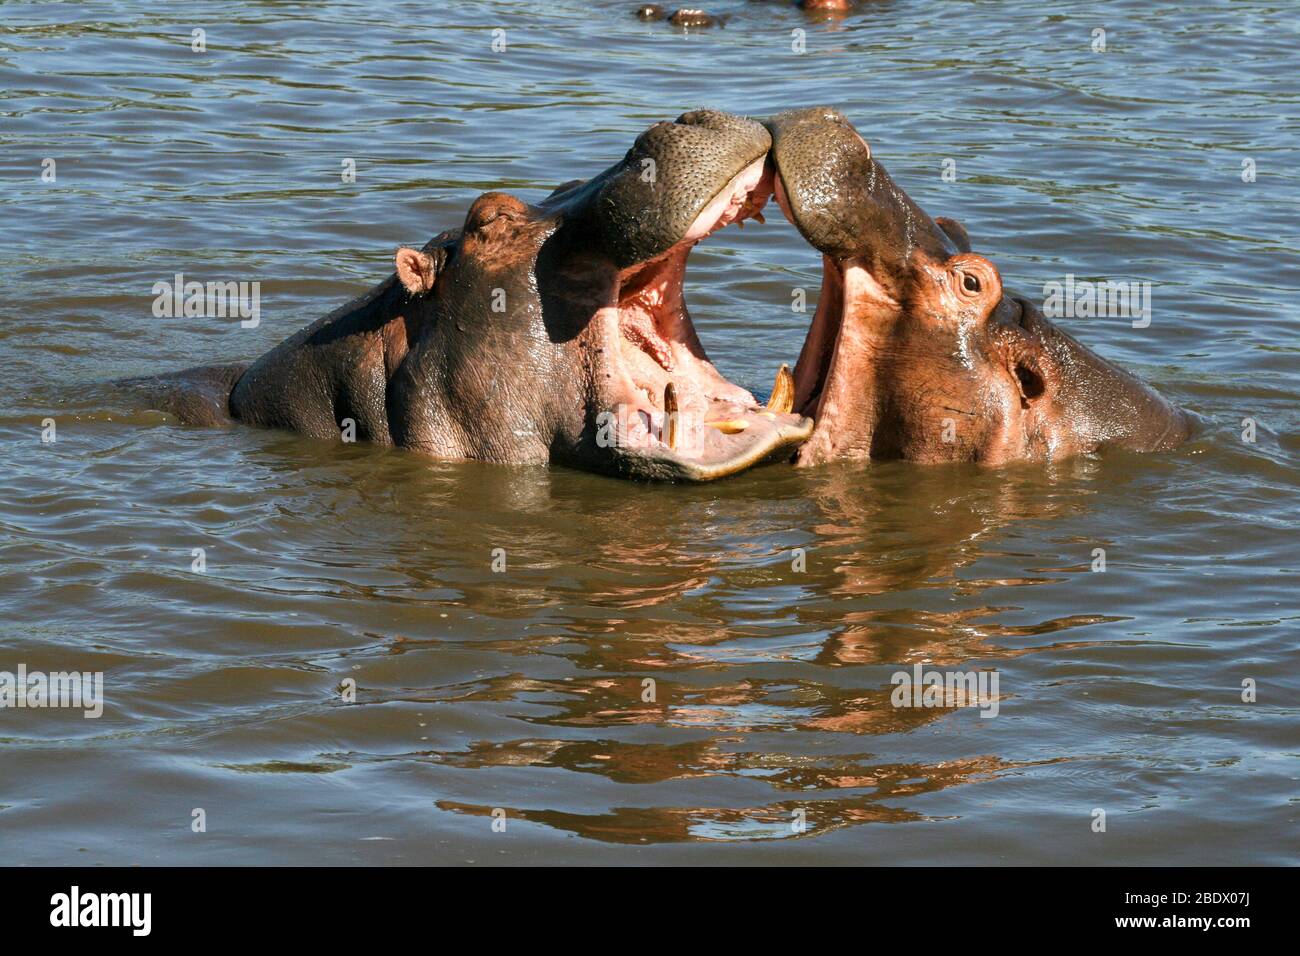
(730, 426)
(782, 400)
(670, 416)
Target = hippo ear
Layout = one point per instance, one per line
(416, 270)
(954, 231)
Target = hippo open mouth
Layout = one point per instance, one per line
(674, 404)
(852, 323)
(663, 410)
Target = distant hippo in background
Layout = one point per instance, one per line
(696, 17)
(683, 17)
(533, 334)
(833, 6)
(916, 352)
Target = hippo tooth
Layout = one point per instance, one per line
(670, 416)
(782, 400)
(758, 217)
(730, 426)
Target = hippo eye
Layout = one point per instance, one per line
(970, 283)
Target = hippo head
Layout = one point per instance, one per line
(559, 332)
(916, 351)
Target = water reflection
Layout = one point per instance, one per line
(790, 818)
(691, 621)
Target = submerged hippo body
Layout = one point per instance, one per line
(533, 334)
(915, 351)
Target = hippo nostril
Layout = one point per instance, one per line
(1031, 382)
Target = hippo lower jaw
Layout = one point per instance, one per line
(670, 414)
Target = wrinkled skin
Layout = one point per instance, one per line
(916, 352)
(533, 334)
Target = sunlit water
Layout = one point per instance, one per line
(525, 691)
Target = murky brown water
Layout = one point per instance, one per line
(525, 690)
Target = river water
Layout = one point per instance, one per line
(661, 674)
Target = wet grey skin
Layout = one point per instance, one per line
(915, 351)
(554, 333)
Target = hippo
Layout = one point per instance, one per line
(916, 351)
(694, 17)
(684, 17)
(829, 6)
(549, 333)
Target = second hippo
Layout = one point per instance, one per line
(916, 350)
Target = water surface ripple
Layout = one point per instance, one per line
(526, 690)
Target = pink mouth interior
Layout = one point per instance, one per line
(656, 343)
